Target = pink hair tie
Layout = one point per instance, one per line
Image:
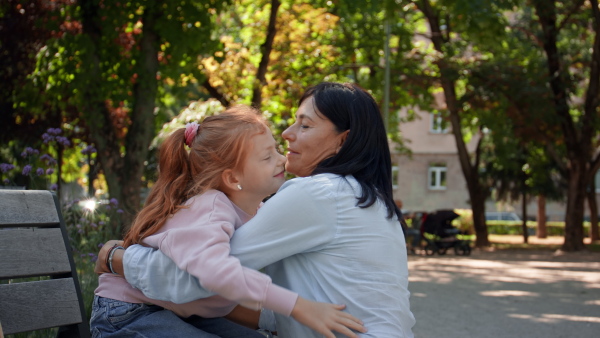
(191, 129)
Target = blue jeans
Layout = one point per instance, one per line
(114, 318)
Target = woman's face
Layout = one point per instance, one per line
(311, 139)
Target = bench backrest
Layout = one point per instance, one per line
(33, 243)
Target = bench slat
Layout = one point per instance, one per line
(23, 207)
(48, 303)
(32, 252)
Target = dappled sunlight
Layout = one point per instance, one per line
(520, 293)
(533, 318)
(418, 294)
(505, 293)
(555, 318)
(442, 270)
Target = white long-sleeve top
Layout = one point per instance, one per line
(314, 240)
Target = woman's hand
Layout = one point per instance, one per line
(101, 263)
(326, 318)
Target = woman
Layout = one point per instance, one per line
(331, 235)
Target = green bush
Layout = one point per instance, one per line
(90, 224)
(516, 228)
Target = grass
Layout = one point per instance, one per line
(552, 243)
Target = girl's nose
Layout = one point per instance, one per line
(282, 159)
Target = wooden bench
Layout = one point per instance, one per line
(34, 243)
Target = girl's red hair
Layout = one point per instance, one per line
(221, 143)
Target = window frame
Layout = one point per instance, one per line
(395, 177)
(437, 124)
(438, 169)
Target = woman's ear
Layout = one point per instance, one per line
(230, 180)
(341, 139)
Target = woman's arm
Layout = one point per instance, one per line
(197, 239)
(298, 218)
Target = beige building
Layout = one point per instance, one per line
(432, 178)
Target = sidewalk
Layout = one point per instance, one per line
(518, 293)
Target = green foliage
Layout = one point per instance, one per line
(516, 228)
(195, 112)
(89, 225)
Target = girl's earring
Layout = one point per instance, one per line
(239, 187)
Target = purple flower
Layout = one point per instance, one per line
(5, 167)
(101, 223)
(63, 140)
(47, 138)
(120, 211)
(54, 131)
(54, 187)
(26, 170)
(88, 150)
(49, 171)
(100, 245)
(48, 159)
(6, 181)
(39, 172)
(114, 201)
(94, 225)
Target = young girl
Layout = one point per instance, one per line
(199, 199)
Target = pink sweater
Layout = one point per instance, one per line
(197, 239)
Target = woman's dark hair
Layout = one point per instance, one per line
(365, 154)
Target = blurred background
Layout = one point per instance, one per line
(491, 106)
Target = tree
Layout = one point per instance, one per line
(573, 72)
(478, 21)
(117, 65)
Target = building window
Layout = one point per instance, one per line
(437, 176)
(394, 177)
(438, 124)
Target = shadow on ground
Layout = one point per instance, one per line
(508, 293)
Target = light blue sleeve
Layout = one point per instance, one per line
(299, 218)
(157, 276)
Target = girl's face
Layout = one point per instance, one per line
(263, 172)
(311, 139)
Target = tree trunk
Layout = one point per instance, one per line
(477, 193)
(577, 140)
(541, 217)
(265, 49)
(141, 130)
(575, 207)
(524, 216)
(591, 197)
(122, 173)
(481, 233)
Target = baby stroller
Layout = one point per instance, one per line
(440, 235)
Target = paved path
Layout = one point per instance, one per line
(506, 294)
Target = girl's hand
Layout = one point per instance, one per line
(326, 318)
